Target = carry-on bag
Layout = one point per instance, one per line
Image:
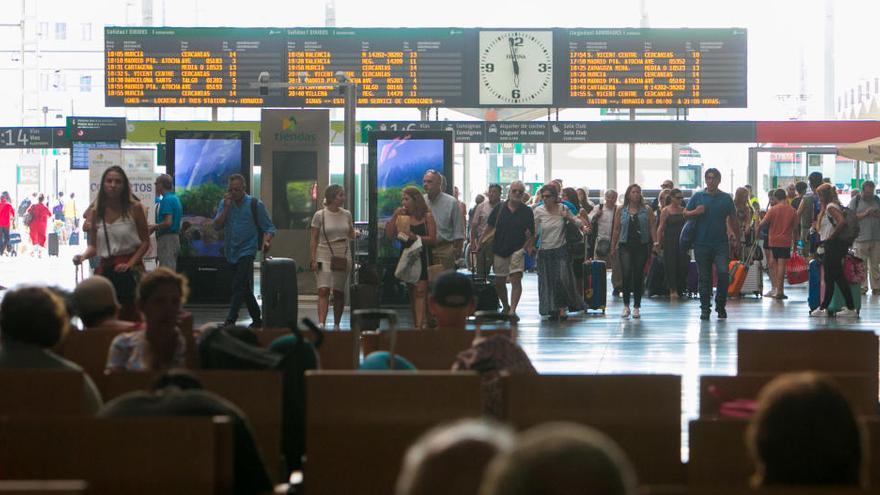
(754, 281)
(484, 289)
(53, 244)
(279, 292)
(595, 285)
(737, 272)
(815, 286)
(656, 281)
(693, 280)
(838, 302)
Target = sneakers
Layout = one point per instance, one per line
(847, 313)
(625, 313)
(722, 313)
(257, 325)
(705, 314)
(635, 313)
(819, 312)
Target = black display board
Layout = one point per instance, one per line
(33, 137)
(426, 67)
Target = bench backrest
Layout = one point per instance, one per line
(132, 455)
(830, 351)
(45, 487)
(642, 413)
(718, 453)
(257, 393)
(43, 392)
(427, 349)
(859, 389)
(88, 349)
(359, 425)
(335, 353)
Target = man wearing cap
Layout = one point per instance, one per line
(451, 300)
(167, 227)
(96, 305)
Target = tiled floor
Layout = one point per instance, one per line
(669, 338)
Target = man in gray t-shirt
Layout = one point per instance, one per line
(449, 221)
(867, 245)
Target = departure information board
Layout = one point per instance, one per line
(431, 67)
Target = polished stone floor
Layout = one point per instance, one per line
(669, 338)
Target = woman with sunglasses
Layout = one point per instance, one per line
(633, 237)
(556, 285)
(675, 259)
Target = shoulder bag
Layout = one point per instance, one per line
(337, 263)
(125, 282)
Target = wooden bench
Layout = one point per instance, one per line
(38, 487)
(43, 392)
(131, 456)
(858, 388)
(642, 413)
(335, 353)
(88, 349)
(830, 351)
(360, 424)
(257, 393)
(427, 349)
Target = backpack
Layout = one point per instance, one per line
(851, 230)
(28, 217)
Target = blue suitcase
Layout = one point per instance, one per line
(595, 285)
(814, 284)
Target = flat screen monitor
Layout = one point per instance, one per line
(398, 160)
(200, 163)
(79, 152)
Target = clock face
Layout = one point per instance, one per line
(516, 68)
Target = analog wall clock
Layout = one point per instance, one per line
(516, 68)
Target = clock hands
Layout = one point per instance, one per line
(515, 63)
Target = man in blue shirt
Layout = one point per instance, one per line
(246, 226)
(716, 222)
(167, 227)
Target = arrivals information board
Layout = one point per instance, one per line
(425, 67)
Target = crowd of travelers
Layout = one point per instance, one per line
(26, 229)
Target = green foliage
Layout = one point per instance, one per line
(299, 196)
(388, 200)
(201, 200)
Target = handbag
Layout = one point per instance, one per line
(488, 239)
(409, 267)
(603, 246)
(796, 270)
(854, 269)
(688, 234)
(337, 263)
(124, 282)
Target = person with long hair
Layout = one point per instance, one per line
(556, 286)
(745, 215)
(332, 228)
(634, 234)
(39, 216)
(577, 252)
(118, 233)
(416, 222)
(675, 259)
(831, 224)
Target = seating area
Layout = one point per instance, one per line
(365, 421)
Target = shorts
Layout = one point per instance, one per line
(515, 263)
(781, 253)
(328, 279)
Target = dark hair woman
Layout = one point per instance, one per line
(634, 234)
(118, 233)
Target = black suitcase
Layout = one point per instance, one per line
(279, 292)
(487, 297)
(655, 283)
(53, 244)
(364, 294)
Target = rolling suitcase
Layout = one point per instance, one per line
(754, 281)
(279, 292)
(838, 302)
(738, 272)
(656, 282)
(484, 288)
(53, 244)
(595, 285)
(815, 285)
(693, 280)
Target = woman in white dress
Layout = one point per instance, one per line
(332, 229)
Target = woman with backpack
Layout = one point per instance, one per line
(834, 245)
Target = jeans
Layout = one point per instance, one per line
(243, 290)
(4, 240)
(706, 256)
(632, 263)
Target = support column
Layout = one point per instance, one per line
(632, 152)
(350, 128)
(753, 169)
(673, 169)
(611, 166)
(548, 162)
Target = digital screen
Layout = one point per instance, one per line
(654, 68)
(201, 170)
(79, 152)
(426, 67)
(294, 189)
(401, 163)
